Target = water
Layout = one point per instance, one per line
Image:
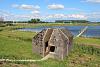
(92, 31)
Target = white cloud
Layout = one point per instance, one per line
(35, 12)
(89, 16)
(10, 16)
(56, 16)
(75, 16)
(26, 16)
(78, 16)
(4, 13)
(21, 17)
(92, 1)
(26, 7)
(93, 15)
(55, 6)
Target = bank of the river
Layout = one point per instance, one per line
(25, 25)
(18, 45)
(88, 41)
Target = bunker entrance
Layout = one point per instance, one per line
(46, 46)
(52, 48)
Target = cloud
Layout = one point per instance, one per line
(35, 12)
(94, 16)
(26, 7)
(10, 16)
(74, 16)
(34, 9)
(29, 16)
(21, 17)
(78, 16)
(92, 1)
(4, 13)
(55, 6)
(56, 16)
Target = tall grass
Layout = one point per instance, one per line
(80, 56)
(83, 40)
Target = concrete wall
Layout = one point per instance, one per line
(37, 43)
(59, 43)
(46, 38)
(56, 40)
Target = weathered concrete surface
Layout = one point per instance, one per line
(55, 41)
(37, 42)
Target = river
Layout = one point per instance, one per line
(92, 31)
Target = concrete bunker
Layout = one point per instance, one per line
(55, 41)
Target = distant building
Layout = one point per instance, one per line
(55, 42)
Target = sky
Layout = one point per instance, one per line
(50, 10)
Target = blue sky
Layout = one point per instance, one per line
(49, 10)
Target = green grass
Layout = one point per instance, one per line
(83, 40)
(18, 45)
(14, 47)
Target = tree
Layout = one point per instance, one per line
(38, 20)
(34, 21)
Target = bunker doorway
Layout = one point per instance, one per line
(52, 48)
(46, 48)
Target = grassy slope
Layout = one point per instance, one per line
(17, 45)
(83, 40)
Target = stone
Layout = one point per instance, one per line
(55, 41)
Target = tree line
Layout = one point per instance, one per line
(29, 21)
(71, 21)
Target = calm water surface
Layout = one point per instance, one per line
(92, 31)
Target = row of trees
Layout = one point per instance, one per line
(30, 21)
(34, 21)
(39, 21)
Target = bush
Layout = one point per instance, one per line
(9, 24)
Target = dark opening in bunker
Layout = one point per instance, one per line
(46, 45)
(52, 48)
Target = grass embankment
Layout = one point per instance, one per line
(88, 41)
(18, 45)
(54, 24)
